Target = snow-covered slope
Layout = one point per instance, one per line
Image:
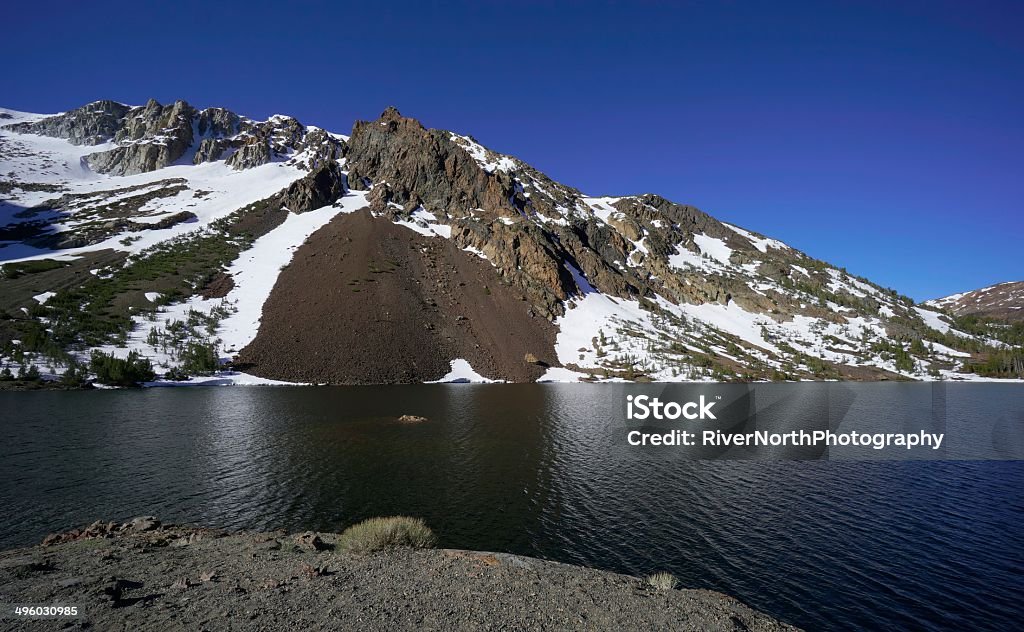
(162, 230)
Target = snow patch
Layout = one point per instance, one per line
(581, 281)
(224, 378)
(732, 319)
(935, 321)
(684, 257)
(585, 319)
(488, 160)
(761, 243)
(713, 247)
(476, 251)
(462, 373)
(425, 223)
(561, 374)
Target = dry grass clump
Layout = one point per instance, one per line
(662, 581)
(377, 534)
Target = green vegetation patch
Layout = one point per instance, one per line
(15, 270)
(97, 312)
(129, 371)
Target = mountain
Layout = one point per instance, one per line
(1003, 301)
(203, 240)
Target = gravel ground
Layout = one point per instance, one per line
(151, 577)
(365, 301)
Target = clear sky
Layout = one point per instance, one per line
(885, 137)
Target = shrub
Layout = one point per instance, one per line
(121, 372)
(662, 581)
(199, 359)
(175, 374)
(74, 376)
(377, 534)
(903, 360)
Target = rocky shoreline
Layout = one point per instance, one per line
(143, 575)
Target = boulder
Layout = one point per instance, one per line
(311, 542)
(411, 419)
(318, 189)
(142, 523)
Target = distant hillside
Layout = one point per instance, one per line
(1004, 301)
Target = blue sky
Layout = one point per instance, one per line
(884, 137)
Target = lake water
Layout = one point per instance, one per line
(540, 470)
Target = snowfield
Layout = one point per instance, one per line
(222, 190)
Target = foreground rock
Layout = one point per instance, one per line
(141, 576)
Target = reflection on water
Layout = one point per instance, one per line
(540, 470)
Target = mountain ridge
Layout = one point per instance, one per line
(631, 287)
(1002, 301)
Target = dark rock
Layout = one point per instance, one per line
(253, 153)
(52, 539)
(113, 590)
(210, 150)
(320, 188)
(218, 122)
(309, 571)
(311, 541)
(167, 222)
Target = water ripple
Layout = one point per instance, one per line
(535, 470)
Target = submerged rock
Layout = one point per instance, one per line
(411, 419)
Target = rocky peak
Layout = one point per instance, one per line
(392, 118)
(424, 166)
(149, 137)
(153, 136)
(155, 120)
(217, 122)
(91, 124)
